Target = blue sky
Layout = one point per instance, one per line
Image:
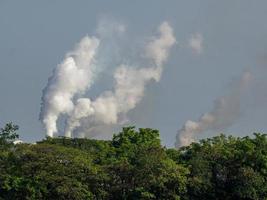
(35, 35)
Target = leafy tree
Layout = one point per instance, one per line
(133, 165)
(49, 172)
(227, 168)
(101, 151)
(142, 169)
(8, 134)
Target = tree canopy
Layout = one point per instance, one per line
(133, 165)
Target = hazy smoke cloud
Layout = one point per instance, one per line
(74, 75)
(196, 43)
(225, 112)
(158, 49)
(108, 28)
(130, 82)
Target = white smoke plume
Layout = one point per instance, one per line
(196, 43)
(158, 49)
(225, 112)
(130, 83)
(73, 76)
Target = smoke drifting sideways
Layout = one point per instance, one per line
(88, 117)
(225, 112)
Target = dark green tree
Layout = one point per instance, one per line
(8, 135)
(227, 168)
(133, 165)
(142, 169)
(49, 172)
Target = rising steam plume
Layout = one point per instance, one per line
(225, 112)
(75, 75)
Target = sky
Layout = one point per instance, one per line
(216, 41)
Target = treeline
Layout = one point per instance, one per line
(133, 165)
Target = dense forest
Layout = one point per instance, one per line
(133, 165)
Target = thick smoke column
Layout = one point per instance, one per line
(225, 112)
(130, 82)
(73, 76)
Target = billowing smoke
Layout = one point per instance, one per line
(76, 74)
(158, 49)
(130, 81)
(73, 76)
(225, 112)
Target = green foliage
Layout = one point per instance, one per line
(8, 134)
(133, 165)
(100, 150)
(142, 169)
(51, 171)
(227, 168)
